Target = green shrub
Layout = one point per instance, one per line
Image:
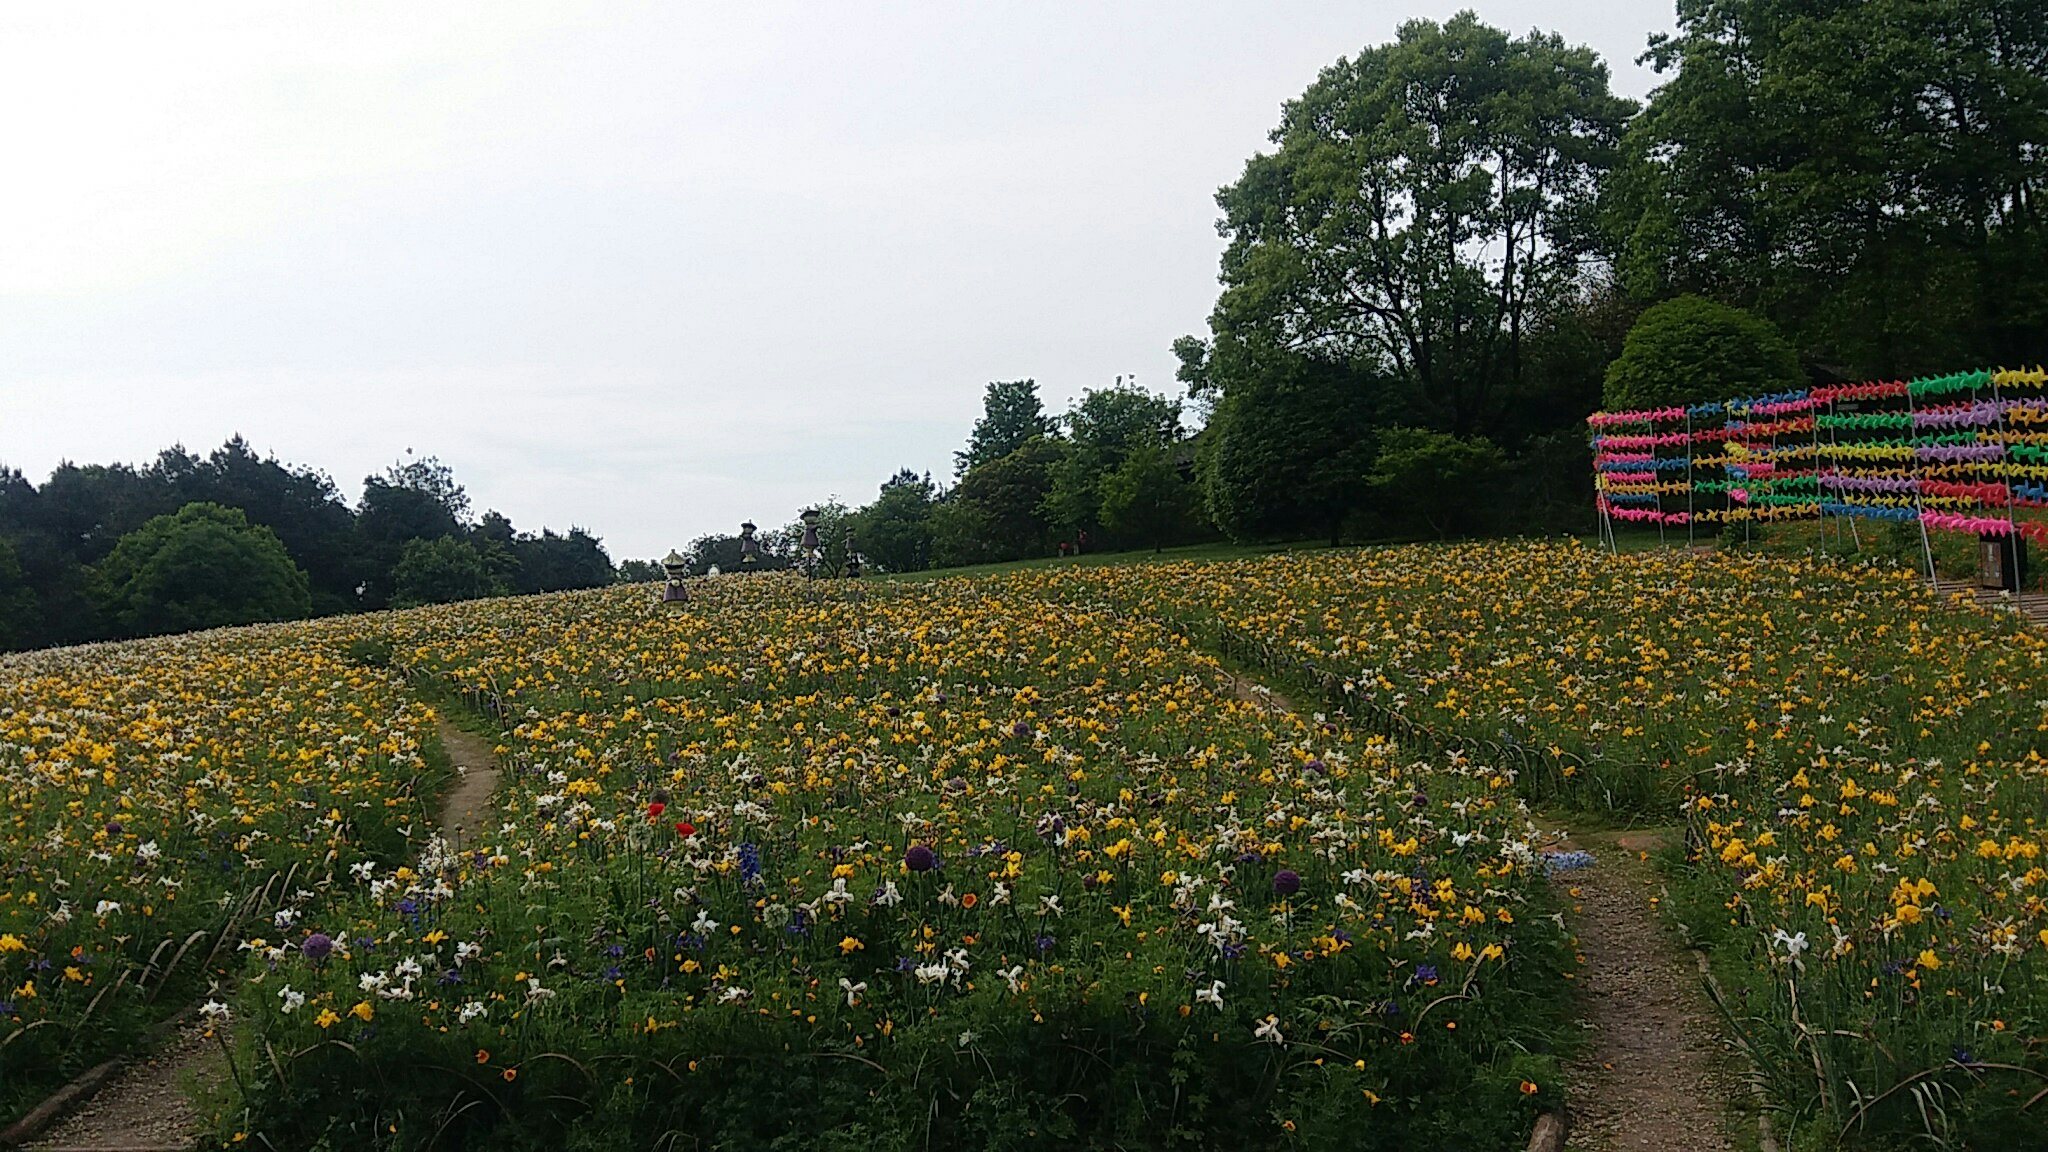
(1691, 349)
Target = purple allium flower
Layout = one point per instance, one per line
(1313, 767)
(920, 858)
(1045, 943)
(1286, 882)
(1021, 730)
(114, 828)
(317, 947)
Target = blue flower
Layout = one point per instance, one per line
(1556, 862)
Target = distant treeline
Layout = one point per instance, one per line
(111, 551)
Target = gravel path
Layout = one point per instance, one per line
(1653, 1077)
(466, 809)
(147, 1107)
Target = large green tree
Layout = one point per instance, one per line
(1145, 500)
(1103, 430)
(896, 530)
(415, 500)
(997, 511)
(17, 602)
(1011, 417)
(442, 570)
(301, 505)
(1866, 173)
(1287, 448)
(204, 566)
(1434, 479)
(1427, 200)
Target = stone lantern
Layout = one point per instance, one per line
(677, 567)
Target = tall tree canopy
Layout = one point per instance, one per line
(415, 500)
(1011, 417)
(896, 530)
(1104, 429)
(1866, 173)
(1426, 197)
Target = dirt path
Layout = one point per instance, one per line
(466, 809)
(147, 1106)
(1653, 1077)
(1654, 1074)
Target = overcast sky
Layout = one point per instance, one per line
(649, 269)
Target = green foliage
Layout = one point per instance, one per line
(1691, 349)
(203, 567)
(1146, 500)
(301, 505)
(370, 651)
(1426, 199)
(1867, 175)
(640, 571)
(1104, 430)
(1287, 449)
(1011, 417)
(1434, 477)
(17, 602)
(896, 530)
(443, 570)
(997, 511)
(418, 500)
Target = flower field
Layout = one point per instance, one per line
(1858, 768)
(917, 865)
(165, 801)
(1016, 862)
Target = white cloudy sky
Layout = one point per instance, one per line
(646, 268)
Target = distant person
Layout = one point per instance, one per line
(1080, 541)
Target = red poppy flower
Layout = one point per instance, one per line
(655, 810)
(685, 828)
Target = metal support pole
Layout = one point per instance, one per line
(1688, 479)
(1913, 472)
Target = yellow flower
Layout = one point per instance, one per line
(848, 946)
(11, 943)
(1929, 960)
(363, 1011)
(326, 1019)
